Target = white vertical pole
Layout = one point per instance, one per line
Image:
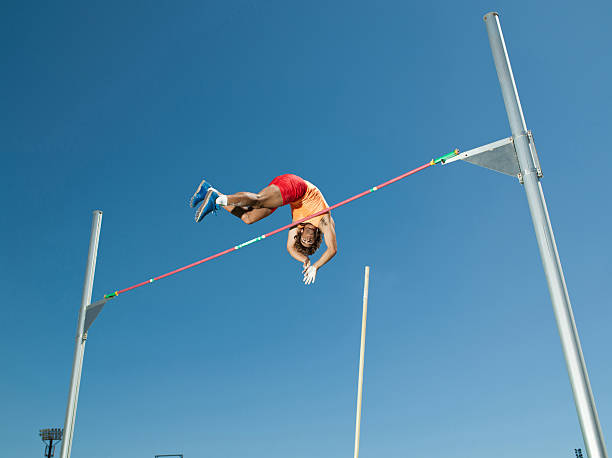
(361, 358)
(574, 358)
(81, 337)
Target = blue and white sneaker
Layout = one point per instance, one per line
(208, 204)
(200, 193)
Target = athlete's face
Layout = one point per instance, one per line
(307, 238)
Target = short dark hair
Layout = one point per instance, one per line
(307, 251)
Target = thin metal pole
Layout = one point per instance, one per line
(364, 316)
(81, 337)
(579, 379)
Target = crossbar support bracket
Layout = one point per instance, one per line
(499, 156)
(92, 311)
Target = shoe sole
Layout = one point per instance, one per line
(195, 194)
(199, 212)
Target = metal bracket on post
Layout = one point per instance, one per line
(499, 156)
(534, 154)
(91, 313)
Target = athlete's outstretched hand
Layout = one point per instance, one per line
(310, 274)
(306, 264)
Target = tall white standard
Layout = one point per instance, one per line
(574, 359)
(364, 316)
(81, 336)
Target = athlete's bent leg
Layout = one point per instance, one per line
(252, 212)
(270, 197)
(249, 215)
(255, 214)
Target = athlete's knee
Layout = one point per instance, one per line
(257, 201)
(247, 218)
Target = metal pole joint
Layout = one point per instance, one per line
(524, 141)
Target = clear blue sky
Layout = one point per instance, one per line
(125, 106)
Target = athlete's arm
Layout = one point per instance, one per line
(295, 254)
(329, 235)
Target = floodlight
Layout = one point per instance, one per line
(51, 434)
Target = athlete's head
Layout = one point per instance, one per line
(307, 239)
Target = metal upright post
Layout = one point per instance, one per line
(579, 379)
(364, 316)
(81, 336)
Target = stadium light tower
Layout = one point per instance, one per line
(50, 435)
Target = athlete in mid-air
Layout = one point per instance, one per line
(304, 198)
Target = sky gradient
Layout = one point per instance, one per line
(126, 106)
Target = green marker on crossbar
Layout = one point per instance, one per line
(445, 157)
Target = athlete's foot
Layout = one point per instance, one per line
(200, 193)
(208, 204)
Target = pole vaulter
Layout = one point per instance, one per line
(439, 160)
